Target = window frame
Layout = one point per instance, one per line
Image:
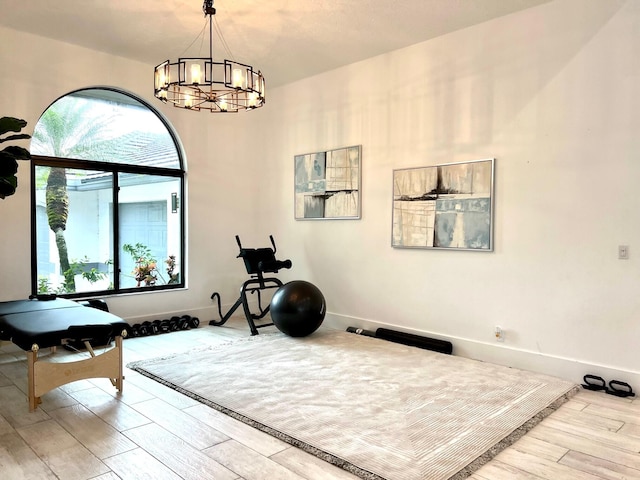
(114, 169)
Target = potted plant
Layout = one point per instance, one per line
(10, 155)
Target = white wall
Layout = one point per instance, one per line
(553, 93)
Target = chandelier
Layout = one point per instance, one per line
(202, 84)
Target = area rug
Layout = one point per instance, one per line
(378, 409)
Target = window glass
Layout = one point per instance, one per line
(150, 232)
(106, 126)
(108, 180)
(73, 232)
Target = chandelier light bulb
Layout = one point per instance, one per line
(237, 78)
(195, 73)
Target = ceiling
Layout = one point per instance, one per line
(286, 39)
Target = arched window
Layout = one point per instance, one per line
(107, 180)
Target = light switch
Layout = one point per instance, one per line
(623, 252)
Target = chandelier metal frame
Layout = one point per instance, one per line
(199, 83)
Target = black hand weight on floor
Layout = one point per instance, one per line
(174, 323)
(157, 326)
(184, 322)
(152, 328)
(620, 389)
(593, 382)
(164, 326)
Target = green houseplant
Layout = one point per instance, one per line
(10, 155)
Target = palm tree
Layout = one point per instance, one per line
(57, 215)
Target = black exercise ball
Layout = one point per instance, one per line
(298, 308)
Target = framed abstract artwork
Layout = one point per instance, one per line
(444, 206)
(327, 184)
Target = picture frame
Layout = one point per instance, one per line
(327, 184)
(444, 207)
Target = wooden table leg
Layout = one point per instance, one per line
(32, 358)
(119, 380)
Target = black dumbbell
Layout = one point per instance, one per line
(135, 330)
(165, 326)
(174, 323)
(185, 322)
(152, 327)
(160, 326)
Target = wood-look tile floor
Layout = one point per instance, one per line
(86, 430)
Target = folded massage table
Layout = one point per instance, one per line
(36, 324)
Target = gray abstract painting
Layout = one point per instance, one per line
(327, 184)
(444, 206)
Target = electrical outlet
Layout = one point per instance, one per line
(499, 334)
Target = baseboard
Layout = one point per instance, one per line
(566, 368)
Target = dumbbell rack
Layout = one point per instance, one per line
(173, 324)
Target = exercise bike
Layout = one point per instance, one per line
(257, 261)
